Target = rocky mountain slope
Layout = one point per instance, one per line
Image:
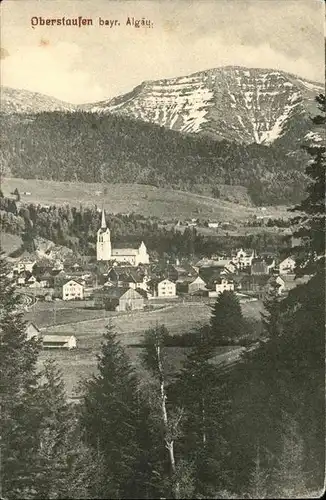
(24, 101)
(243, 105)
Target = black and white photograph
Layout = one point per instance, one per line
(162, 250)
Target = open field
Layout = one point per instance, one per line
(81, 363)
(88, 325)
(142, 199)
(131, 326)
(45, 314)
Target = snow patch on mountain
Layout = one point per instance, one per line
(195, 107)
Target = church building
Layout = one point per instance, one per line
(104, 250)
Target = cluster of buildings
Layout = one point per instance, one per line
(124, 279)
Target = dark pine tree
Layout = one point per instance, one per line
(226, 322)
(18, 390)
(111, 419)
(305, 309)
(284, 375)
(198, 390)
(63, 467)
(310, 254)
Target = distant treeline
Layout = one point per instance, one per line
(87, 147)
(76, 228)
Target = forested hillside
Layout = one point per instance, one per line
(87, 147)
(76, 229)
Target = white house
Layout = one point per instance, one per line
(221, 285)
(228, 266)
(243, 258)
(163, 289)
(24, 264)
(72, 290)
(287, 266)
(166, 288)
(31, 280)
(10, 275)
(21, 280)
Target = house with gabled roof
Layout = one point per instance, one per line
(262, 266)
(197, 284)
(24, 265)
(259, 267)
(73, 290)
(261, 284)
(287, 266)
(222, 284)
(243, 258)
(128, 276)
(118, 299)
(165, 289)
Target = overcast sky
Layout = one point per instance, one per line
(92, 63)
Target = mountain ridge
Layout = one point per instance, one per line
(22, 101)
(239, 104)
(235, 103)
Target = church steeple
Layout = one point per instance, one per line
(103, 223)
(103, 247)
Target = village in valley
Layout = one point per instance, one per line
(60, 293)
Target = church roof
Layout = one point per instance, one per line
(124, 251)
(127, 244)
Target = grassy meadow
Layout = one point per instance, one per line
(150, 201)
(81, 363)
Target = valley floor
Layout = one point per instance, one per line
(89, 325)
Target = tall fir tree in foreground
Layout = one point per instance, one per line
(305, 310)
(226, 322)
(63, 467)
(40, 452)
(18, 389)
(284, 375)
(112, 419)
(198, 389)
(310, 253)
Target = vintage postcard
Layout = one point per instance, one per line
(162, 218)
